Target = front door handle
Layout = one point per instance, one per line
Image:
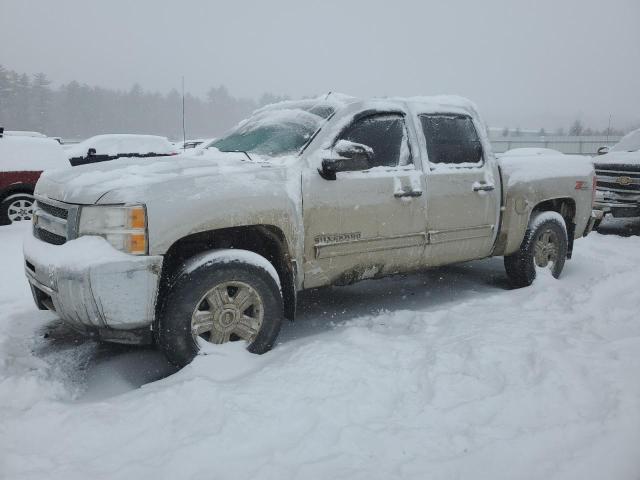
(408, 193)
(483, 187)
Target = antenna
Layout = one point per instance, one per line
(184, 131)
(608, 129)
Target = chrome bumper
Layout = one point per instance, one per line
(606, 200)
(101, 295)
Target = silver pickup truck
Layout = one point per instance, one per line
(214, 247)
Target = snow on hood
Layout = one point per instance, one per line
(23, 153)
(88, 183)
(618, 158)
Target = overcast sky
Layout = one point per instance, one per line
(528, 64)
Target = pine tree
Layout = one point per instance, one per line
(576, 128)
(41, 103)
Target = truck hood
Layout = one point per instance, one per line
(130, 179)
(631, 159)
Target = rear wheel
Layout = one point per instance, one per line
(220, 301)
(16, 208)
(544, 245)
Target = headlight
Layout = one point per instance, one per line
(123, 227)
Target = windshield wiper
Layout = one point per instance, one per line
(238, 151)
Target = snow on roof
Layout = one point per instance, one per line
(114, 144)
(24, 153)
(313, 105)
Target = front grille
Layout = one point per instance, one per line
(53, 210)
(632, 187)
(49, 237)
(618, 178)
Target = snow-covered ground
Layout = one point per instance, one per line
(446, 374)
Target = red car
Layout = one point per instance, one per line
(22, 160)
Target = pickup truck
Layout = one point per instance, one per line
(618, 173)
(214, 247)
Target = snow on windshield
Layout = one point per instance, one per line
(629, 143)
(282, 128)
(272, 132)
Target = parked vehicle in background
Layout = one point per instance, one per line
(102, 148)
(618, 172)
(23, 133)
(215, 247)
(22, 160)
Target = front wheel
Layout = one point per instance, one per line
(225, 296)
(15, 208)
(544, 245)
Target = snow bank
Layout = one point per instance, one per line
(438, 375)
(22, 153)
(114, 144)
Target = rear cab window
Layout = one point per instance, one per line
(452, 140)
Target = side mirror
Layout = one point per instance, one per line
(603, 150)
(351, 156)
(91, 151)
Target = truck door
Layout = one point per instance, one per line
(463, 190)
(367, 222)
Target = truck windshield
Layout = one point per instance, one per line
(629, 143)
(278, 130)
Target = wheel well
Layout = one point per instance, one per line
(565, 207)
(15, 189)
(265, 240)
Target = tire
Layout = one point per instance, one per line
(596, 224)
(201, 291)
(15, 208)
(548, 232)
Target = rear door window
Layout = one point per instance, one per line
(451, 139)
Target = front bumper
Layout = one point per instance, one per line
(617, 204)
(95, 288)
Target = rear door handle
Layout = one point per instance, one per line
(478, 187)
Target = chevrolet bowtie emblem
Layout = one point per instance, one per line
(624, 181)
